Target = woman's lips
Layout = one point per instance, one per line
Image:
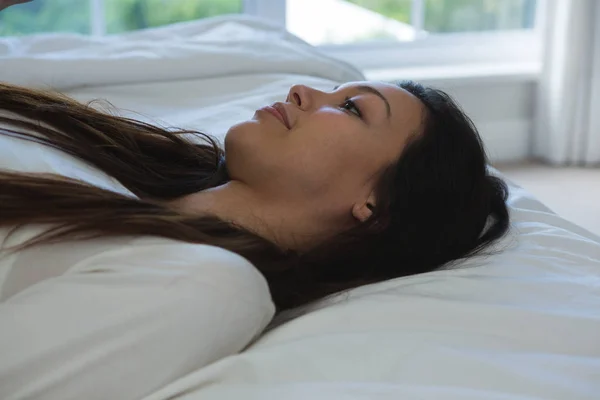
(279, 113)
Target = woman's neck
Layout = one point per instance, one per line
(280, 221)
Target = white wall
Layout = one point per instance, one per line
(502, 111)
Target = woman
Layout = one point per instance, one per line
(324, 192)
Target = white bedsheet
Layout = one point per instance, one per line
(523, 324)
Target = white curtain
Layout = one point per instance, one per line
(568, 107)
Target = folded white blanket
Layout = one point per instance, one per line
(212, 48)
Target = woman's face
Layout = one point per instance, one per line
(327, 152)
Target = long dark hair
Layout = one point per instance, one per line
(433, 204)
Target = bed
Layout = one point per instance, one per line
(521, 324)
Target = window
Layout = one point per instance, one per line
(368, 33)
(46, 16)
(317, 21)
(355, 21)
(107, 16)
(127, 15)
(388, 38)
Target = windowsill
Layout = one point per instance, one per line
(460, 74)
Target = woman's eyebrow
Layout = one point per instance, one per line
(372, 90)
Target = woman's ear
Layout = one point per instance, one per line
(363, 211)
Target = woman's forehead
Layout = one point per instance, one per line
(405, 106)
(395, 92)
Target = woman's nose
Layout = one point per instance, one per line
(297, 95)
(306, 97)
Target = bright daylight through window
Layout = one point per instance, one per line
(316, 21)
(352, 21)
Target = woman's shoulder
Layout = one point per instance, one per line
(129, 304)
(155, 261)
(171, 260)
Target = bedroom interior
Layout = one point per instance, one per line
(521, 323)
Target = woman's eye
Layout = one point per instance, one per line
(350, 105)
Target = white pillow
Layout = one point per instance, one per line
(523, 323)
